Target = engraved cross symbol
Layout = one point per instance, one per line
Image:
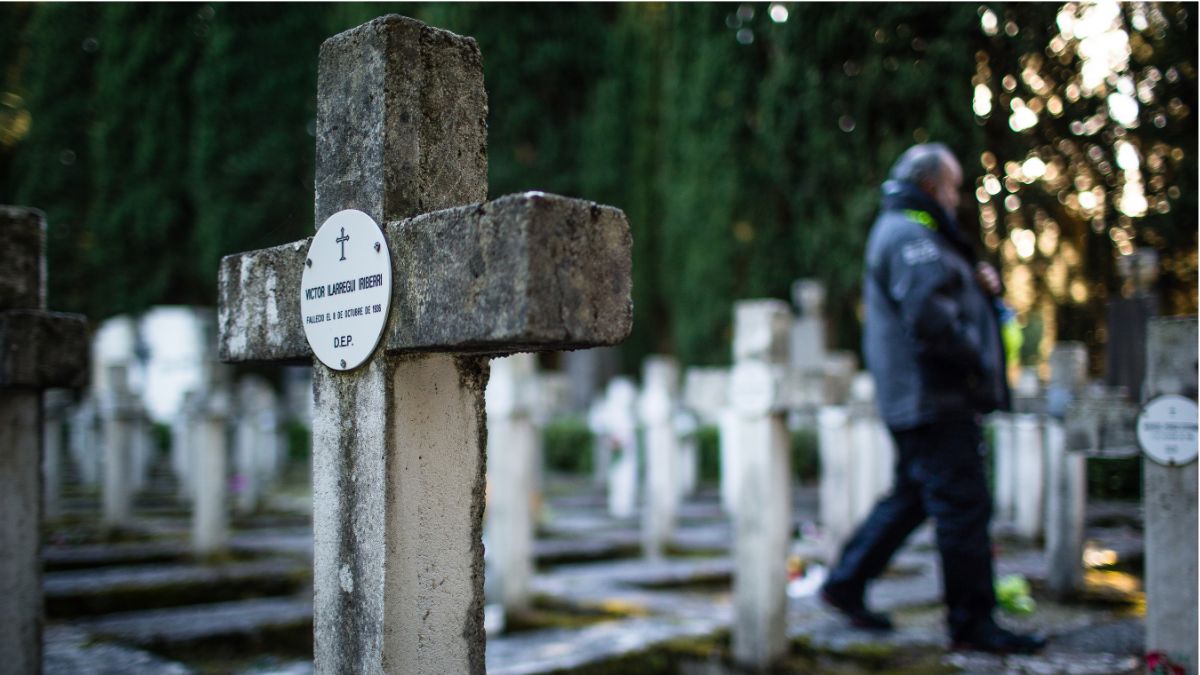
(342, 240)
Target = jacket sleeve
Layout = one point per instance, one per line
(925, 290)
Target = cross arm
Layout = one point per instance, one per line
(40, 349)
(524, 272)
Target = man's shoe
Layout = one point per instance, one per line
(996, 640)
(856, 613)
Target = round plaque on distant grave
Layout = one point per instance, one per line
(1166, 430)
(346, 289)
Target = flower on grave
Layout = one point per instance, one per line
(1158, 663)
(1012, 594)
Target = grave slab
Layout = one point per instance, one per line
(180, 626)
(70, 651)
(114, 589)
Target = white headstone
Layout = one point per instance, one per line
(763, 517)
(256, 442)
(657, 405)
(513, 440)
(1170, 499)
(621, 434)
(183, 460)
(602, 446)
(86, 441)
(1003, 470)
(1066, 473)
(120, 415)
(210, 446)
(55, 404)
(1029, 464)
(706, 394)
(808, 351)
(836, 501)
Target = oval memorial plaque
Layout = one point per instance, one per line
(1166, 430)
(346, 289)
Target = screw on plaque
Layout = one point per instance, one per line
(377, 247)
(343, 363)
(308, 262)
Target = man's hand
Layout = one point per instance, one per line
(988, 278)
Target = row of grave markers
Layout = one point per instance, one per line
(399, 442)
(1034, 449)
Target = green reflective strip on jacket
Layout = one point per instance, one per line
(1013, 338)
(922, 217)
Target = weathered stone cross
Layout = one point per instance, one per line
(38, 349)
(398, 443)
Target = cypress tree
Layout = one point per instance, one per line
(251, 159)
(52, 164)
(143, 213)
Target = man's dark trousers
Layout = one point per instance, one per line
(939, 473)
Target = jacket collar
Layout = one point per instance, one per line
(903, 196)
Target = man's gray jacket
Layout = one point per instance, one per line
(932, 338)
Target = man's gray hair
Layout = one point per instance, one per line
(921, 163)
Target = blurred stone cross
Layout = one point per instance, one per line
(398, 442)
(38, 349)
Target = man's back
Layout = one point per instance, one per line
(931, 338)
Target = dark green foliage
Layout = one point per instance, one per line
(14, 108)
(1162, 68)
(806, 461)
(1115, 478)
(299, 442)
(539, 63)
(806, 456)
(758, 148)
(567, 446)
(746, 152)
(53, 168)
(251, 159)
(160, 437)
(708, 448)
(141, 212)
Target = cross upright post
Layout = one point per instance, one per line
(398, 442)
(38, 350)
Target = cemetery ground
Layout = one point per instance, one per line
(137, 600)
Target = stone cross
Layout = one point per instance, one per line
(119, 413)
(763, 518)
(1169, 495)
(256, 442)
(512, 455)
(1066, 473)
(209, 445)
(619, 424)
(55, 404)
(38, 350)
(1029, 469)
(1009, 490)
(399, 442)
(656, 410)
(84, 442)
(602, 450)
(183, 461)
(872, 455)
(835, 500)
(807, 349)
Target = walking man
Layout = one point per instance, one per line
(932, 342)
